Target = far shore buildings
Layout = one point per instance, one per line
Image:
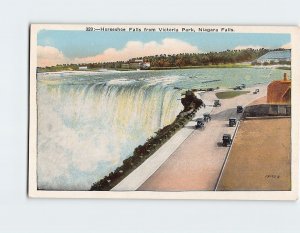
(82, 67)
(275, 57)
(137, 64)
(279, 91)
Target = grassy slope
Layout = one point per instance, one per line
(230, 94)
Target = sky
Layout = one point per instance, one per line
(59, 47)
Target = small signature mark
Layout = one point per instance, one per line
(272, 176)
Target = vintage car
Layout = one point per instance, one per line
(239, 109)
(217, 103)
(207, 117)
(237, 88)
(232, 122)
(256, 91)
(227, 140)
(200, 123)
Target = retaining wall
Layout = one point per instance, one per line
(267, 110)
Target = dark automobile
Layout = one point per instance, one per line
(206, 117)
(256, 91)
(237, 88)
(243, 85)
(227, 140)
(239, 109)
(232, 122)
(217, 103)
(200, 123)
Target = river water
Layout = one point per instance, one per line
(89, 122)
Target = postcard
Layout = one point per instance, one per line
(164, 111)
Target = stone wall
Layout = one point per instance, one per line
(267, 110)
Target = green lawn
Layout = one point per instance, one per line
(230, 94)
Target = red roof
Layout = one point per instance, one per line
(279, 92)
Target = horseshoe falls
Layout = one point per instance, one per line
(86, 130)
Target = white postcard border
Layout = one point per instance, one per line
(209, 195)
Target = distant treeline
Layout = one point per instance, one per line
(175, 60)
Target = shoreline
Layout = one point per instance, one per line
(223, 66)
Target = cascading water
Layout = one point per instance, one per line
(87, 130)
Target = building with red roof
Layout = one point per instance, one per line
(279, 91)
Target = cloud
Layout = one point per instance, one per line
(241, 47)
(48, 56)
(139, 49)
(287, 46)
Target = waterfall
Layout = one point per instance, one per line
(86, 130)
